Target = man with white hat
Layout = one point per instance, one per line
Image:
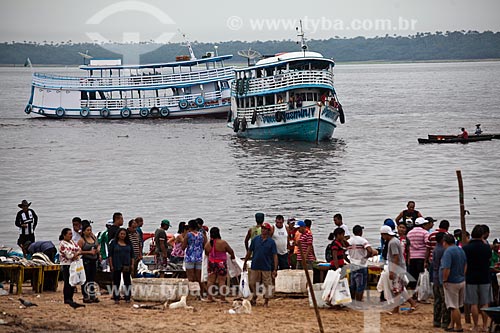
(418, 238)
(396, 265)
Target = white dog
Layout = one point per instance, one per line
(241, 306)
(181, 304)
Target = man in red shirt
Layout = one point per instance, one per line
(464, 135)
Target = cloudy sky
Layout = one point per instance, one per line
(222, 20)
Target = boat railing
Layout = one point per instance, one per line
(212, 97)
(264, 110)
(58, 82)
(287, 80)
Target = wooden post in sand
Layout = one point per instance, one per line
(311, 290)
(462, 204)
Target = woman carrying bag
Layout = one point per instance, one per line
(69, 252)
(121, 261)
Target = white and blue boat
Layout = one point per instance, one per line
(186, 87)
(287, 96)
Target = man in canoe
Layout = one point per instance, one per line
(478, 130)
(464, 134)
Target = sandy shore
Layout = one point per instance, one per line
(283, 315)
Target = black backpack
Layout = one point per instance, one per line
(328, 252)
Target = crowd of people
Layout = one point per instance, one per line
(462, 266)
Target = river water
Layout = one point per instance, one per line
(188, 168)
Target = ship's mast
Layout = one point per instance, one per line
(300, 33)
(190, 49)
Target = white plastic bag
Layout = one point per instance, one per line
(204, 268)
(77, 273)
(234, 267)
(424, 289)
(244, 287)
(342, 294)
(330, 284)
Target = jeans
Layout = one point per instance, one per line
(416, 267)
(127, 282)
(283, 261)
(68, 290)
(89, 287)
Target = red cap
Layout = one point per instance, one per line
(266, 226)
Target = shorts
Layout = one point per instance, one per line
(258, 279)
(479, 294)
(24, 238)
(217, 268)
(359, 278)
(193, 265)
(454, 295)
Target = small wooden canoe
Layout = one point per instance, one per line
(451, 136)
(456, 139)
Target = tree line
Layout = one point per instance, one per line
(456, 45)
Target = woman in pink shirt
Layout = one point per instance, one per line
(217, 250)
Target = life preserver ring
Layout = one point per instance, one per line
(164, 111)
(341, 114)
(84, 112)
(144, 112)
(229, 115)
(254, 117)
(104, 112)
(200, 101)
(236, 124)
(41, 111)
(278, 115)
(183, 104)
(28, 109)
(125, 112)
(60, 112)
(243, 124)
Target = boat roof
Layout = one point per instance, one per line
(159, 65)
(285, 57)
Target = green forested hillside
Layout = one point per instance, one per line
(458, 45)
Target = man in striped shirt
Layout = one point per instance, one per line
(431, 243)
(418, 237)
(134, 239)
(305, 242)
(26, 221)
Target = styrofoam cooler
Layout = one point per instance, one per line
(159, 289)
(291, 281)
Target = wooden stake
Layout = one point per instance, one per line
(311, 290)
(462, 204)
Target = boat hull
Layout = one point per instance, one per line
(219, 111)
(456, 140)
(313, 123)
(451, 136)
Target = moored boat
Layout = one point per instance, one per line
(456, 139)
(109, 90)
(287, 96)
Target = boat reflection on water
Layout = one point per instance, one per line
(289, 178)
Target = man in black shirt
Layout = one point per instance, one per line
(117, 224)
(26, 221)
(477, 278)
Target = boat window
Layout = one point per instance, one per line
(224, 85)
(269, 99)
(84, 95)
(92, 95)
(260, 101)
(309, 97)
(252, 102)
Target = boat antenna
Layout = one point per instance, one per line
(85, 56)
(300, 33)
(188, 44)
